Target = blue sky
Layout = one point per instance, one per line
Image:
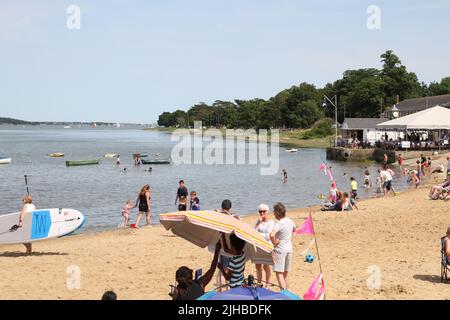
(132, 60)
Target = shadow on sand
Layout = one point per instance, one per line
(15, 254)
(428, 277)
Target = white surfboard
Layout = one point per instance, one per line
(39, 225)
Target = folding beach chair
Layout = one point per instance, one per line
(445, 265)
(445, 194)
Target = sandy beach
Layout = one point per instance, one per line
(399, 235)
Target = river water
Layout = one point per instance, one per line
(99, 191)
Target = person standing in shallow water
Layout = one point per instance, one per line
(194, 202)
(181, 192)
(385, 159)
(143, 202)
(285, 176)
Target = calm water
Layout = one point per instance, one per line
(100, 191)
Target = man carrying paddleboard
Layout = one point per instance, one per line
(28, 206)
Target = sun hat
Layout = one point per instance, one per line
(263, 207)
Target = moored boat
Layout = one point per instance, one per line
(140, 155)
(4, 160)
(157, 161)
(72, 163)
(56, 155)
(109, 155)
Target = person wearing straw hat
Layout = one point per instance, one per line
(265, 226)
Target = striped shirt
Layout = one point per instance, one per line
(237, 267)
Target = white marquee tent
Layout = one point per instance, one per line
(430, 119)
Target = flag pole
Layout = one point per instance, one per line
(317, 249)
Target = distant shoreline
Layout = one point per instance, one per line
(18, 122)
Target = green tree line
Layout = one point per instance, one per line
(361, 93)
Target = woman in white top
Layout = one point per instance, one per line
(28, 206)
(281, 237)
(265, 226)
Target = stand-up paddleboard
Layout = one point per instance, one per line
(39, 225)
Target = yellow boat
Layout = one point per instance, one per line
(56, 155)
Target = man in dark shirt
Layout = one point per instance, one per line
(181, 192)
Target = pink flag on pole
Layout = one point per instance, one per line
(317, 289)
(307, 227)
(331, 176)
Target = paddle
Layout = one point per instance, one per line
(26, 184)
(16, 227)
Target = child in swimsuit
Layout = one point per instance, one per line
(367, 180)
(379, 189)
(195, 202)
(400, 159)
(126, 212)
(182, 206)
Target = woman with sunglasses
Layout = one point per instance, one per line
(265, 226)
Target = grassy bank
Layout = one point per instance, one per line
(291, 138)
(294, 139)
(161, 129)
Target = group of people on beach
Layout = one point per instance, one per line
(143, 204)
(441, 191)
(232, 266)
(339, 200)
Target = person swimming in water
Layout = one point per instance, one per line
(285, 177)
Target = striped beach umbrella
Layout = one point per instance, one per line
(203, 229)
